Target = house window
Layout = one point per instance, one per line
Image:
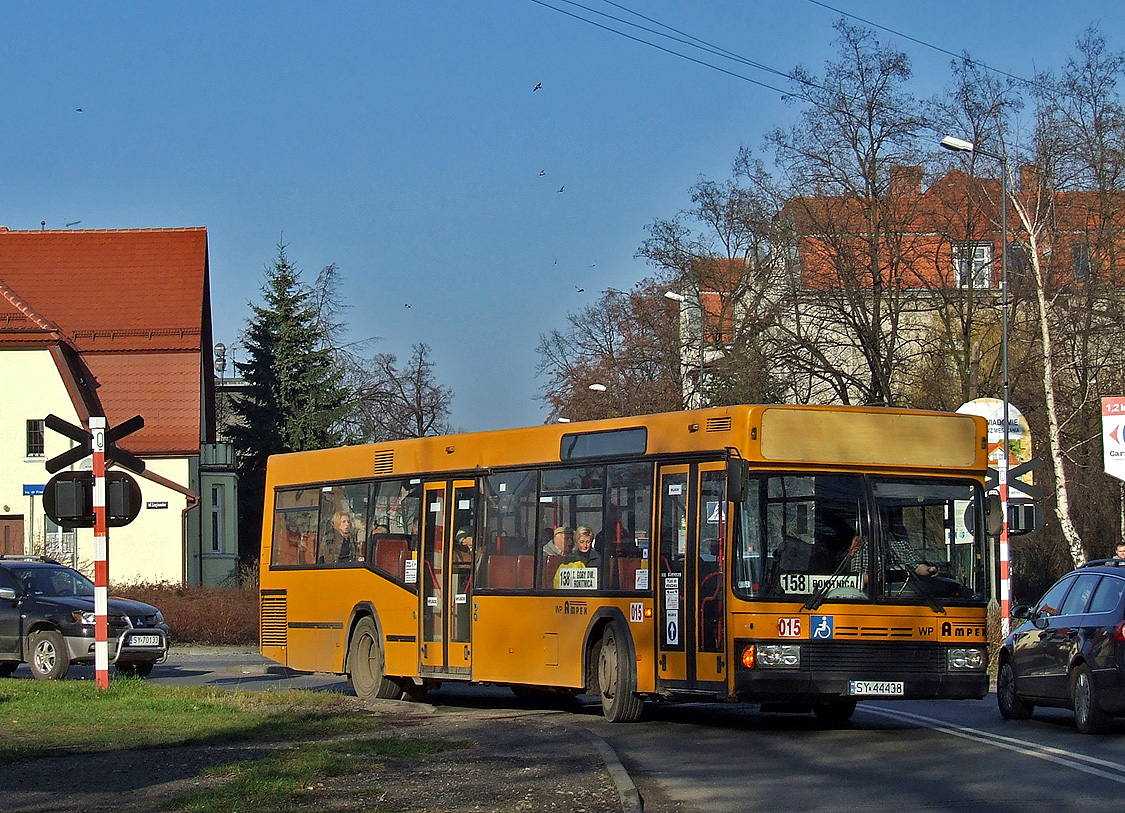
(217, 518)
(36, 440)
(1080, 258)
(973, 264)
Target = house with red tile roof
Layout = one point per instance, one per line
(115, 323)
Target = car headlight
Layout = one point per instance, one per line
(83, 616)
(159, 617)
(961, 659)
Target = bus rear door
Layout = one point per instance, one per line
(691, 587)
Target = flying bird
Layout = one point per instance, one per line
(408, 304)
(561, 188)
(78, 110)
(542, 172)
(538, 85)
(579, 290)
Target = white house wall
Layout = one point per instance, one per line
(32, 389)
(151, 548)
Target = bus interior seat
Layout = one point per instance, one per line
(502, 572)
(550, 568)
(391, 553)
(287, 546)
(525, 571)
(306, 550)
(627, 573)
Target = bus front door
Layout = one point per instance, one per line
(447, 574)
(691, 586)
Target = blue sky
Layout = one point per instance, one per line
(403, 142)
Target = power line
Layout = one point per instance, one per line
(662, 48)
(924, 44)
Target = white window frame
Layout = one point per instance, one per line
(972, 265)
(40, 425)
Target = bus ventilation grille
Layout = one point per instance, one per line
(384, 462)
(718, 424)
(274, 622)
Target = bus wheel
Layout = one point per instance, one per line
(365, 665)
(836, 711)
(617, 679)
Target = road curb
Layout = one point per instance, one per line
(626, 789)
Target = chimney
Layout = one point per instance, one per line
(906, 181)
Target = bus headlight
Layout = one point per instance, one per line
(962, 659)
(779, 656)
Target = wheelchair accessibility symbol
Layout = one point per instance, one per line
(822, 626)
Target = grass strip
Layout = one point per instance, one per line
(72, 717)
(294, 778)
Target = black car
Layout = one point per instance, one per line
(1069, 650)
(47, 621)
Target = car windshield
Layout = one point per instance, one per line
(53, 581)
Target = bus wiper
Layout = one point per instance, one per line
(821, 593)
(913, 577)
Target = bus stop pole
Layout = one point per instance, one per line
(101, 557)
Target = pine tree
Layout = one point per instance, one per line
(294, 398)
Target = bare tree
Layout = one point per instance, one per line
(627, 343)
(394, 402)
(1066, 231)
(853, 245)
(721, 256)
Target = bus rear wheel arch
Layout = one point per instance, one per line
(366, 666)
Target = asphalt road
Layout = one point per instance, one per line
(933, 755)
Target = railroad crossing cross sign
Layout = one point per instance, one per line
(85, 445)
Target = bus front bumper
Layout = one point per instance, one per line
(873, 671)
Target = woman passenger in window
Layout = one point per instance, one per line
(337, 544)
(584, 550)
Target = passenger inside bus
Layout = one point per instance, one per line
(337, 543)
(584, 550)
(561, 543)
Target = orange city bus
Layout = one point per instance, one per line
(803, 558)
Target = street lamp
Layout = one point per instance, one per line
(960, 145)
(675, 297)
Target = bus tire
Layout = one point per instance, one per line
(366, 665)
(617, 678)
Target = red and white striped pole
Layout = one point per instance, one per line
(101, 557)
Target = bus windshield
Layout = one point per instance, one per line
(838, 537)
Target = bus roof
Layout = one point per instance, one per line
(835, 436)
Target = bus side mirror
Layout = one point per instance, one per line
(738, 475)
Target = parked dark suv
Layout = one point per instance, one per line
(47, 620)
(1068, 651)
